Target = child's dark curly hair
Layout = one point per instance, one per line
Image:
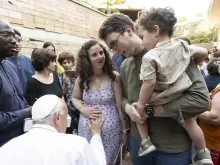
(163, 17)
(84, 68)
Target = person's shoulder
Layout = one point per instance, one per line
(13, 142)
(117, 75)
(10, 58)
(151, 54)
(10, 65)
(126, 63)
(25, 58)
(73, 141)
(32, 81)
(207, 78)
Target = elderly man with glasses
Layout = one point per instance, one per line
(22, 62)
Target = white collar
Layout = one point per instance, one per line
(44, 126)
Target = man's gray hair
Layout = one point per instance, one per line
(58, 109)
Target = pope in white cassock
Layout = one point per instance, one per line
(47, 144)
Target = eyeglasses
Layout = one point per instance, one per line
(8, 36)
(113, 45)
(18, 39)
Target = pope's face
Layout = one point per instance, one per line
(61, 119)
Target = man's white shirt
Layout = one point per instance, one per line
(43, 145)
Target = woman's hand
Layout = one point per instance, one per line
(90, 112)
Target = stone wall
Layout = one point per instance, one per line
(66, 23)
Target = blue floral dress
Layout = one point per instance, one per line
(104, 100)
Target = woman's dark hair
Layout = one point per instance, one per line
(66, 56)
(33, 52)
(213, 69)
(84, 68)
(41, 58)
(47, 44)
(162, 17)
(185, 39)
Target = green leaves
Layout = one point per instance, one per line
(195, 33)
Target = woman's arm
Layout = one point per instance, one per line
(88, 112)
(77, 96)
(213, 116)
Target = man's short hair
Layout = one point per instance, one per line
(115, 23)
(66, 56)
(41, 58)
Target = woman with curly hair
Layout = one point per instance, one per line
(98, 93)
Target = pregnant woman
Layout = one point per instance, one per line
(99, 87)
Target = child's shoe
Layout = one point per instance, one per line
(203, 158)
(146, 148)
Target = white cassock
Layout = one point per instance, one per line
(43, 145)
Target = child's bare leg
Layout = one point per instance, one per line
(143, 130)
(146, 145)
(195, 133)
(202, 154)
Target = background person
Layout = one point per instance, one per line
(210, 124)
(22, 62)
(67, 80)
(13, 106)
(117, 60)
(45, 80)
(213, 79)
(50, 46)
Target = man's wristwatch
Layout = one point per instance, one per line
(149, 110)
(126, 131)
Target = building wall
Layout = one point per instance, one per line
(66, 23)
(214, 16)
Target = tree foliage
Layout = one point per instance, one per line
(109, 4)
(182, 19)
(195, 34)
